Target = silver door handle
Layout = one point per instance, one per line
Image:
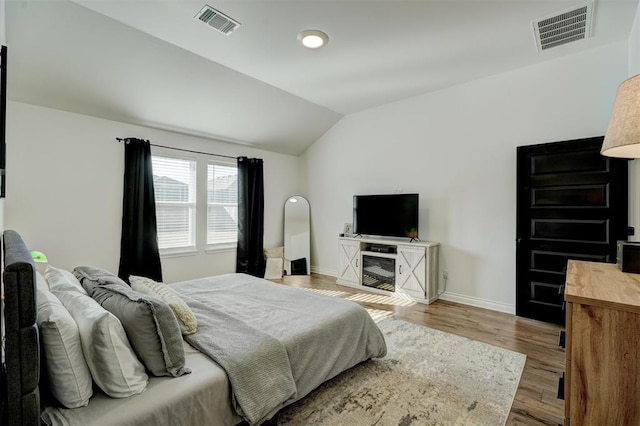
(400, 269)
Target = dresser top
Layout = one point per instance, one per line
(602, 284)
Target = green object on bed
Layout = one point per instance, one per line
(38, 256)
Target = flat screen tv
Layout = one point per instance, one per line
(393, 215)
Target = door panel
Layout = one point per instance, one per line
(410, 270)
(545, 294)
(348, 261)
(572, 204)
(571, 161)
(570, 196)
(556, 262)
(593, 231)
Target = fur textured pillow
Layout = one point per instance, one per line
(186, 319)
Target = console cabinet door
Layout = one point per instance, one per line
(349, 261)
(411, 271)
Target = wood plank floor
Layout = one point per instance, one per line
(535, 401)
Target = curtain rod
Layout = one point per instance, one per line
(182, 149)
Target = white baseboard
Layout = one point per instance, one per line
(479, 303)
(323, 271)
(451, 297)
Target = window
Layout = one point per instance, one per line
(222, 203)
(174, 180)
(196, 203)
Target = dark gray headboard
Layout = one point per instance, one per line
(22, 348)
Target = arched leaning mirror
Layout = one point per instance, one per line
(297, 244)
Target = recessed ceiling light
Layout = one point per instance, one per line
(313, 39)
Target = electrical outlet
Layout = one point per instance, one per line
(445, 275)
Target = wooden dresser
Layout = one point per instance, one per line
(602, 383)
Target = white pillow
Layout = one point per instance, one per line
(113, 364)
(273, 269)
(62, 280)
(184, 315)
(69, 377)
(274, 252)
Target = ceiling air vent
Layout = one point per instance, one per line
(217, 20)
(564, 27)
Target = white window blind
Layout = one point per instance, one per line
(222, 203)
(174, 180)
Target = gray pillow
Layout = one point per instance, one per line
(150, 324)
(96, 275)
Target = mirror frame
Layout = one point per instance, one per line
(304, 252)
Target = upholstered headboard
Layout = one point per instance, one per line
(22, 348)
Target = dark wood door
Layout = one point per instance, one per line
(572, 204)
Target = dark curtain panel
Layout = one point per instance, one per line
(139, 253)
(3, 118)
(250, 254)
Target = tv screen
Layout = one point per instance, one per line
(394, 215)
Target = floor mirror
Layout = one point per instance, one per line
(297, 245)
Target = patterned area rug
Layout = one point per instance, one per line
(428, 377)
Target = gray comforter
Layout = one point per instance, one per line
(276, 343)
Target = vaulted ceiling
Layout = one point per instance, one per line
(150, 62)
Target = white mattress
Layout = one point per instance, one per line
(200, 398)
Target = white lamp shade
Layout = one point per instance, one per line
(623, 134)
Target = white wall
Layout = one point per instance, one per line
(634, 46)
(634, 166)
(64, 188)
(457, 148)
(3, 31)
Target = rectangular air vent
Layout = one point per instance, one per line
(217, 20)
(564, 27)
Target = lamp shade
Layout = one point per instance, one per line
(623, 134)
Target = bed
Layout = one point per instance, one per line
(272, 345)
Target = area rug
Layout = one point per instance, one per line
(428, 377)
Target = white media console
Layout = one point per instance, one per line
(390, 266)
